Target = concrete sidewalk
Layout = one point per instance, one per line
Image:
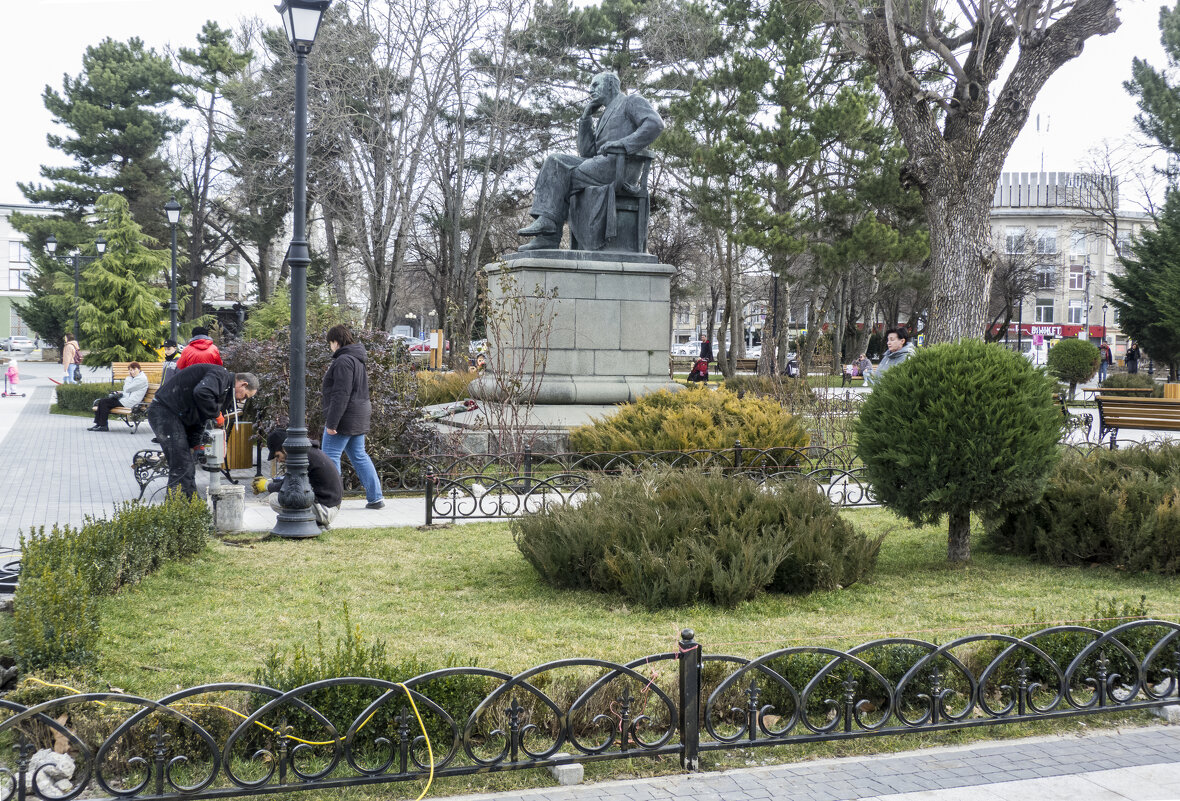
(1139, 764)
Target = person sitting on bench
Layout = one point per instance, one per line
(135, 386)
(321, 474)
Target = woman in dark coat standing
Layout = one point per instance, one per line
(347, 411)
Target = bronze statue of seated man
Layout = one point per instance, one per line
(627, 125)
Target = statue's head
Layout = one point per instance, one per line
(605, 86)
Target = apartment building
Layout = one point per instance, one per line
(1071, 228)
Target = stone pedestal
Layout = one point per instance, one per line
(611, 332)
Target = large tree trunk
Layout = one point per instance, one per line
(958, 543)
(962, 263)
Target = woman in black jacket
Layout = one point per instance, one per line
(347, 411)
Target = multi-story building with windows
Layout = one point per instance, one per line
(1071, 229)
(14, 284)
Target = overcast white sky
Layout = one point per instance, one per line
(1082, 104)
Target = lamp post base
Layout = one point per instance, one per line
(296, 526)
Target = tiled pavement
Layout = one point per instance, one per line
(1139, 764)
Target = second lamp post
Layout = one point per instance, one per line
(100, 246)
(301, 20)
(172, 209)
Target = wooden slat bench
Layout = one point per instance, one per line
(1143, 392)
(1142, 414)
(120, 370)
(750, 365)
(134, 416)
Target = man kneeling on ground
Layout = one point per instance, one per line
(321, 474)
(183, 406)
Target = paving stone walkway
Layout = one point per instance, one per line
(1140, 764)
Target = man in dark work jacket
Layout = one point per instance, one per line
(321, 474)
(183, 406)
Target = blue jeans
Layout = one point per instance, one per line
(354, 446)
(1102, 371)
(69, 376)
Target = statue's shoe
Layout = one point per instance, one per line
(549, 242)
(539, 226)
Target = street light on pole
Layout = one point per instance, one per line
(172, 209)
(301, 21)
(75, 256)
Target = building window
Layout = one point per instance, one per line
(18, 280)
(1077, 242)
(1014, 239)
(18, 253)
(1122, 242)
(1044, 310)
(1046, 276)
(1046, 239)
(1075, 312)
(682, 316)
(1077, 276)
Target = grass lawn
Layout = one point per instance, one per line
(466, 592)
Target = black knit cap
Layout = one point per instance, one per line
(274, 442)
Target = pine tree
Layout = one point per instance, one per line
(117, 128)
(1148, 298)
(119, 308)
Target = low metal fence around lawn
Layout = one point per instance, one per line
(507, 485)
(238, 739)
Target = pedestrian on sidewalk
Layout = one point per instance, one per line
(199, 350)
(171, 354)
(1132, 358)
(69, 358)
(323, 476)
(135, 386)
(347, 411)
(1106, 359)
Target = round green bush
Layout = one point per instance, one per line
(671, 538)
(1073, 361)
(688, 420)
(959, 428)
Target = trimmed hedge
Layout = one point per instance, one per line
(1137, 380)
(688, 420)
(668, 538)
(65, 571)
(1120, 508)
(80, 397)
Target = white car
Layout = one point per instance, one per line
(15, 344)
(691, 348)
(754, 352)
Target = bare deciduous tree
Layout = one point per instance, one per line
(936, 63)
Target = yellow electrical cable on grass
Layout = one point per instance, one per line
(409, 696)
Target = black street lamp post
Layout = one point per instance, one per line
(172, 209)
(301, 20)
(1104, 307)
(76, 258)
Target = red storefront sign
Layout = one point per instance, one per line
(1052, 330)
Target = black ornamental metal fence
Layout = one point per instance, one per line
(237, 739)
(506, 485)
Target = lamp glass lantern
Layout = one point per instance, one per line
(301, 21)
(100, 245)
(51, 244)
(172, 209)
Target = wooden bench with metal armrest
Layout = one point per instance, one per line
(1141, 414)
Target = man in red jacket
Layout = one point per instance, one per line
(199, 350)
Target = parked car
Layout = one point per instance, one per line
(690, 348)
(754, 352)
(423, 346)
(16, 344)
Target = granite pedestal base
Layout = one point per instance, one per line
(611, 329)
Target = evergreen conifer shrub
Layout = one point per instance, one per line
(958, 428)
(1120, 508)
(671, 538)
(683, 421)
(1073, 361)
